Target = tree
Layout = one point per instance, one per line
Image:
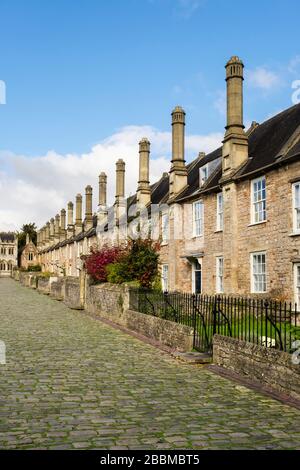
(29, 229)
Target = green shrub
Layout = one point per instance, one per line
(46, 274)
(138, 263)
(34, 268)
(142, 261)
(156, 285)
(117, 273)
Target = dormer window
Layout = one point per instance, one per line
(203, 175)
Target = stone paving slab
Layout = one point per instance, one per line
(72, 382)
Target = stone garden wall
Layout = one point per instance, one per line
(173, 335)
(269, 366)
(111, 301)
(107, 300)
(57, 288)
(28, 279)
(72, 293)
(43, 285)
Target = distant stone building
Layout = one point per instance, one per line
(29, 254)
(229, 221)
(8, 253)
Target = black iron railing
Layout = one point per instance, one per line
(265, 322)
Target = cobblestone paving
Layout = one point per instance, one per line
(71, 382)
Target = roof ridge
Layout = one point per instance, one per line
(276, 116)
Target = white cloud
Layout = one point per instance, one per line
(35, 189)
(185, 8)
(176, 89)
(262, 78)
(220, 102)
(294, 64)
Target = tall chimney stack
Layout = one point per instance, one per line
(70, 228)
(102, 206)
(57, 228)
(88, 221)
(78, 221)
(178, 172)
(51, 231)
(102, 190)
(120, 206)
(120, 180)
(45, 236)
(143, 191)
(235, 143)
(62, 235)
(48, 233)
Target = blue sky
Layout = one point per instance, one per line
(79, 72)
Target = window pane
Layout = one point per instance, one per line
(220, 211)
(297, 195)
(164, 277)
(198, 218)
(259, 272)
(259, 200)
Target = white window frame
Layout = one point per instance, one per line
(220, 212)
(296, 207)
(219, 274)
(296, 285)
(165, 277)
(198, 219)
(165, 227)
(203, 175)
(255, 272)
(257, 201)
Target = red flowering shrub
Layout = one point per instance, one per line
(95, 263)
(138, 262)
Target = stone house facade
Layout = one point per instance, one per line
(29, 255)
(229, 221)
(8, 253)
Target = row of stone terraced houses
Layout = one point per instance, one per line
(229, 220)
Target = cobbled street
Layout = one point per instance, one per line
(72, 382)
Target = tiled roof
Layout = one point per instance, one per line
(8, 237)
